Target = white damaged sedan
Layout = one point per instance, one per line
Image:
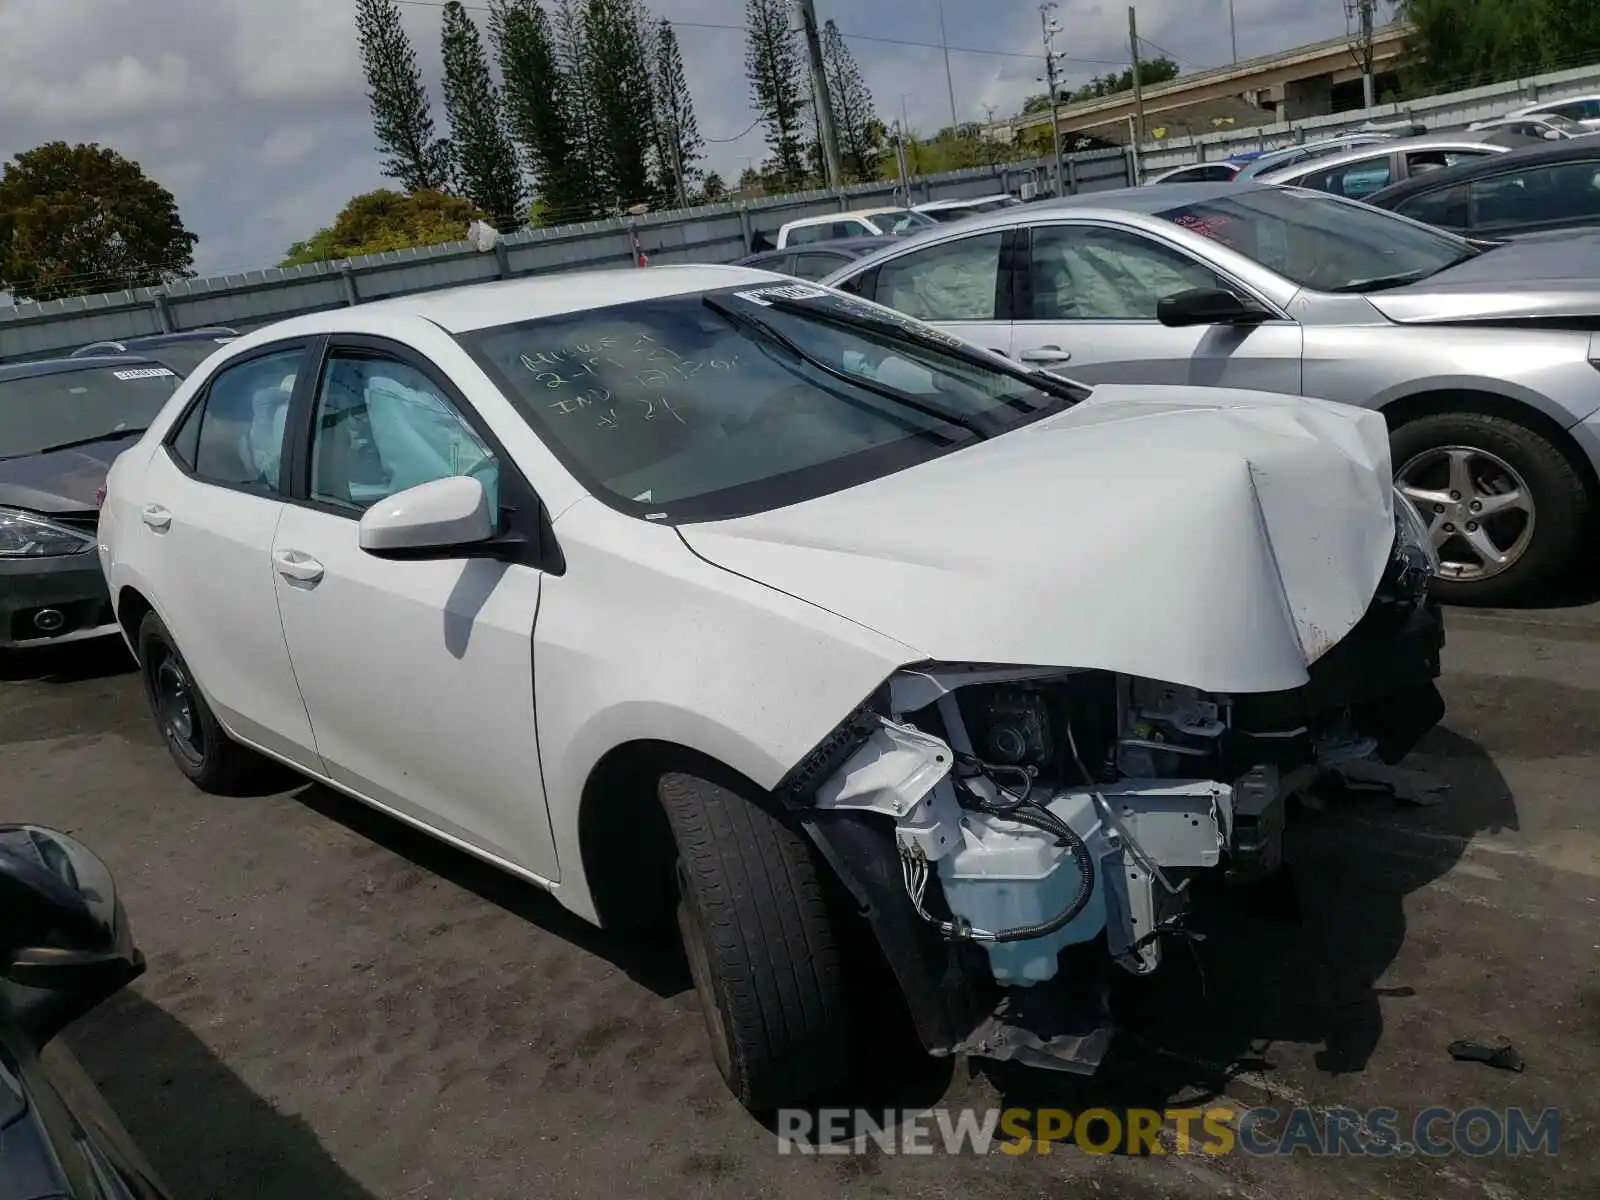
(698, 591)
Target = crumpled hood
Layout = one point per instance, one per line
(1536, 278)
(1202, 536)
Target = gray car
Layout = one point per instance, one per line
(1484, 360)
(1360, 172)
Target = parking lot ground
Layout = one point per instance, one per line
(337, 1007)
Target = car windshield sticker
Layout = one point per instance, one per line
(142, 373)
(785, 291)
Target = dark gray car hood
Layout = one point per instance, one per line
(1544, 279)
(62, 482)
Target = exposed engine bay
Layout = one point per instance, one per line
(1033, 813)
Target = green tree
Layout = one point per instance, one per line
(572, 56)
(386, 220)
(617, 80)
(1458, 43)
(860, 133)
(537, 99)
(712, 189)
(1151, 72)
(680, 147)
(75, 220)
(772, 64)
(402, 117)
(485, 159)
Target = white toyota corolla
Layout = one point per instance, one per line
(699, 590)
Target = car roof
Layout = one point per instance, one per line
(1538, 154)
(507, 301)
(934, 205)
(859, 245)
(67, 366)
(1552, 101)
(164, 339)
(1433, 141)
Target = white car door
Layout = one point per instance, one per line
(418, 675)
(957, 285)
(208, 505)
(1088, 311)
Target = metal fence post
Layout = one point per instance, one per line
(1072, 175)
(502, 260)
(744, 224)
(163, 312)
(348, 277)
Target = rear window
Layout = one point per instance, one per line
(75, 407)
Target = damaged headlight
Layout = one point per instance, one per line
(1414, 551)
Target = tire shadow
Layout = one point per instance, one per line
(1294, 961)
(206, 1133)
(71, 662)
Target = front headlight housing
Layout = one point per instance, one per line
(1415, 559)
(28, 535)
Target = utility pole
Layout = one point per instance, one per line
(1362, 11)
(1138, 84)
(1233, 32)
(819, 88)
(949, 80)
(1048, 24)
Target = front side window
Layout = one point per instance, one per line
(1445, 207)
(74, 408)
(817, 265)
(701, 406)
(381, 426)
(1561, 192)
(240, 439)
(1087, 273)
(1320, 242)
(953, 281)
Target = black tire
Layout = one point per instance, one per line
(204, 752)
(1561, 500)
(760, 937)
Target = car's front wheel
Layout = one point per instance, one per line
(759, 934)
(1506, 508)
(204, 752)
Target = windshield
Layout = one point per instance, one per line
(1564, 124)
(1322, 242)
(71, 407)
(901, 220)
(718, 404)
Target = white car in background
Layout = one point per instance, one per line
(945, 211)
(700, 590)
(1583, 109)
(865, 222)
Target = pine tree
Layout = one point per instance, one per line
(855, 121)
(537, 100)
(679, 147)
(772, 63)
(485, 159)
(402, 118)
(617, 74)
(572, 57)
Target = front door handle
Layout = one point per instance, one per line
(156, 517)
(301, 568)
(1046, 354)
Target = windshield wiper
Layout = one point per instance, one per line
(936, 411)
(1053, 385)
(1379, 283)
(114, 435)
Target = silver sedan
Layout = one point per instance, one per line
(1484, 360)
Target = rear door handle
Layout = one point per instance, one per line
(1046, 354)
(301, 568)
(156, 517)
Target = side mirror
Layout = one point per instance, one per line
(443, 518)
(1207, 306)
(65, 944)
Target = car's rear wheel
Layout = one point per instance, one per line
(1506, 508)
(763, 950)
(204, 752)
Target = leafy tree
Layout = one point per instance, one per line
(1037, 103)
(386, 220)
(1151, 71)
(402, 117)
(485, 159)
(537, 99)
(1457, 43)
(75, 220)
(680, 147)
(588, 151)
(712, 189)
(772, 64)
(749, 180)
(617, 79)
(859, 131)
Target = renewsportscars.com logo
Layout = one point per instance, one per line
(1262, 1132)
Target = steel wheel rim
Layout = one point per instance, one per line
(694, 946)
(1480, 510)
(173, 693)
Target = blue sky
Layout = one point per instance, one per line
(252, 111)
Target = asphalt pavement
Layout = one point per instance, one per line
(338, 1007)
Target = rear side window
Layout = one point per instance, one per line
(1444, 207)
(817, 265)
(241, 421)
(1353, 180)
(1554, 194)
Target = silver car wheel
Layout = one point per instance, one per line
(1479, 509)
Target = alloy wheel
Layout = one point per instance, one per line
(1479, 509)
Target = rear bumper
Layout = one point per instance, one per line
(46, 601)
